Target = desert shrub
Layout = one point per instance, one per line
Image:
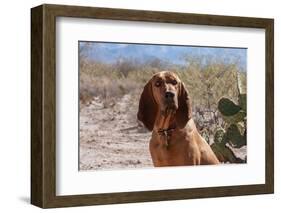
(206, 84)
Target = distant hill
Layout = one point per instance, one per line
(111, 52)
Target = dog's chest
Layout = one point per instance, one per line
(172, 153)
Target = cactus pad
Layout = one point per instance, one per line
(227, 107)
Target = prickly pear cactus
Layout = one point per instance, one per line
(221, 149)
(231, 112)
(235, 134)
(227, 107)
(224, 153)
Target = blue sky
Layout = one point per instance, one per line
(111, 52)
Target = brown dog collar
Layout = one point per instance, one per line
(166, 134)
(166, 131)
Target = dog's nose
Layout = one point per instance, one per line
(169, 95)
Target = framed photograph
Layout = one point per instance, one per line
(135, 106)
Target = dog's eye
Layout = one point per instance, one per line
(174, 82)
(158, 83)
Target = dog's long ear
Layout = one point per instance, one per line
(147, 107)
(184, 111)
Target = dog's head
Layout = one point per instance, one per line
(164, 92)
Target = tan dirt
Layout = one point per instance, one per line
(111, 137)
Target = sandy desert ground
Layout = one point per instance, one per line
(111, 137)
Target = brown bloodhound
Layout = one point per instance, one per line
(165, 109)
